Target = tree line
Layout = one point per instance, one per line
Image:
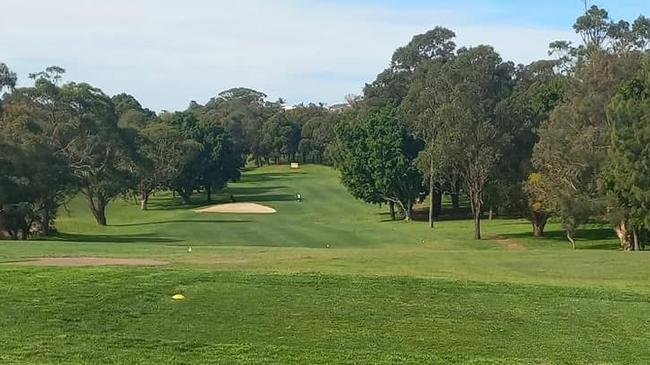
(565, 137)
(61, 139)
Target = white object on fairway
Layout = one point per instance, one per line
(189, 250)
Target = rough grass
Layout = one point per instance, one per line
(268, 289)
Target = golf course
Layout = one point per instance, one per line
(329, 279)
(325, 182)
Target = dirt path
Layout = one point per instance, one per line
(508, 243)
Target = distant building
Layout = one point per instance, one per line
(339, 107)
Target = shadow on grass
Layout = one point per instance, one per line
(264, 198)
(588, 239)
(174, 203)
(240, 194)
(189, 221)
(422, 215)
(97, 238)
(269, 176)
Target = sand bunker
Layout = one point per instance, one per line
(88, 261)
(248, 208)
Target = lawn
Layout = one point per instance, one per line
(328, 280)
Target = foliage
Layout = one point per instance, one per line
(166, 154)
(572, 151)
(627, 174)
(216, 163)
(377, 159)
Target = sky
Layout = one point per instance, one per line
(169, 52)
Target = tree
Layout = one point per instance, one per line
(316, 137)
(8, 78)
(538, 89)
(539, 206)
(573, 147)
(35, 183)
(166, 153)
(392, 85)
(316, 126)
(99, 152)
(280, 137)
(376, 156)
(130, 112)
(427, 96)
(436, 43)
(39, 162)
(627, 174)
(476, 82)
(79, 123)
(216, 163)
(241, 112)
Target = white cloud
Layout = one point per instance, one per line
(168, 52)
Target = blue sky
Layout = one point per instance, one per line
(169, 52)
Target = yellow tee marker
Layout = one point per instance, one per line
(178, 297)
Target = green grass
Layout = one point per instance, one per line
(268, 289)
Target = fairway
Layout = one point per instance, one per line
(326, 280)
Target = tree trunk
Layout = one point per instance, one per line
(635, 236)
(539, 223)
(144, 200)
(491, 215)
(455, 200)
(623, 235)
(570, 238)
(432, 200)
(407, 211)
(99, 210)
(46, 222)
(208, 190)
(438, 203)
(477, 222)
(391, 206)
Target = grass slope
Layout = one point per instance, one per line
(266, 289)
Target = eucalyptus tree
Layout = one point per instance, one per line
(280, 137)
(539, 88)
(242, 113)
(8, 78)
(574, 143)
(76, 123)
(100, 153)
(426, 100)
(316, 125)
(376, 156)
(215, 164)
(166, 153)
(130, 112)
(408, 81)
(392, 85)
(479, 81)
(627, 174)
